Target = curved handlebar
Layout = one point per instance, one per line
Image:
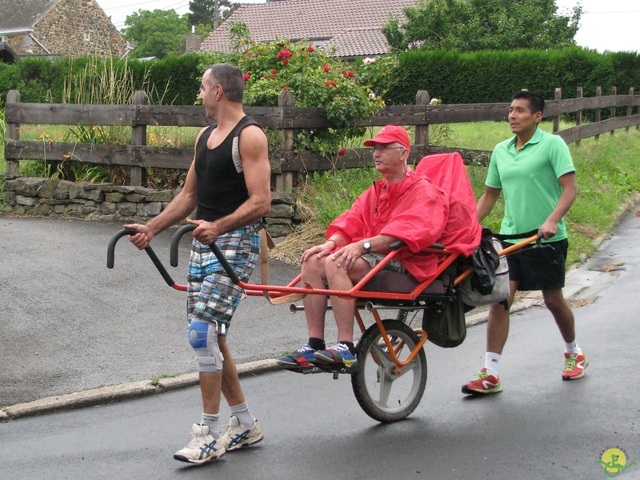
(175, 242)
(112, 244)
(152, 255)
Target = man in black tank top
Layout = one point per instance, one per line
(228, 187)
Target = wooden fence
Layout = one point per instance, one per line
(285, 118)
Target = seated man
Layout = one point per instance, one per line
(403, 205)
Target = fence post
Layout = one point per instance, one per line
(422, 131)
(614, 92)
(596, 118)
(630, 108)
(13, 133)
(284, 181)
(556, 120)
(579, 94)
(138, 137)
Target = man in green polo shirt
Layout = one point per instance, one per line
(535, 172)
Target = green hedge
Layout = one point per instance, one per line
(39, 80)
(493, 76)
(176, 79)
(476, 77)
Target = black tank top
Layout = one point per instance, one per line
(221, 187)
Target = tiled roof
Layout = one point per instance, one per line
(23, 14)
(353, 25)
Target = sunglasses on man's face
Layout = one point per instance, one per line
(381, 148)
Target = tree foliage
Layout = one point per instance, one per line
(470, 25)
(156, 33)
(203, 12)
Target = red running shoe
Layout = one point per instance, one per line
(483, 384)
(574, 365)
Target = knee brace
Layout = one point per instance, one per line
(203, 337)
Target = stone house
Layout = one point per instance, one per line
(353, 27)
(57, 27)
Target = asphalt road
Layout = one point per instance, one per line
(539, 427)
(68, 324)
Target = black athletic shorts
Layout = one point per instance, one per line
(539, 268)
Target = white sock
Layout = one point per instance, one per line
(211, 421)
(491, 363)
(572, 347)
(243, 415)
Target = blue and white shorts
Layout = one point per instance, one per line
(211, 295)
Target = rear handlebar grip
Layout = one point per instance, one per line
(152, 255)
(175, 242)
(112, 244)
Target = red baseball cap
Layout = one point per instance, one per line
(390, 134)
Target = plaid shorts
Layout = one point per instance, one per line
(374, 259)
(211, 295)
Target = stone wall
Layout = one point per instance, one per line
(102, 201)
(74, 28)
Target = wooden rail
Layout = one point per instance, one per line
(284, 118)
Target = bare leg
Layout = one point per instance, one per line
(315, 306)
(210, 388)
(343, 309)
(561, 311)
(230, 387)
(498, 323)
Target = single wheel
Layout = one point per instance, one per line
(383, 393)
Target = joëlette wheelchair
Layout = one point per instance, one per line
(392, 367)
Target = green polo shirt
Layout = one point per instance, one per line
(529, 181)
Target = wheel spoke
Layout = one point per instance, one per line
(386, 382)
(383, 393)
(381, 357)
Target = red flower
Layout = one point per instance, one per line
(246, 76)
(342, 152)
(310, 48)
(330, 83)
(326, 67)
(285, 61)
(274, 71)
(283, 55)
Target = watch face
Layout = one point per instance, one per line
(367, 246)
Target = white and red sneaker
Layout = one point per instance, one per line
(574, 365)
(483, 384)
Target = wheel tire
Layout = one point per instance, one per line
(374, 383)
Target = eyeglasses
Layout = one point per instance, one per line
(381, 148)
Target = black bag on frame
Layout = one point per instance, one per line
(445, 323)
(485, 262)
